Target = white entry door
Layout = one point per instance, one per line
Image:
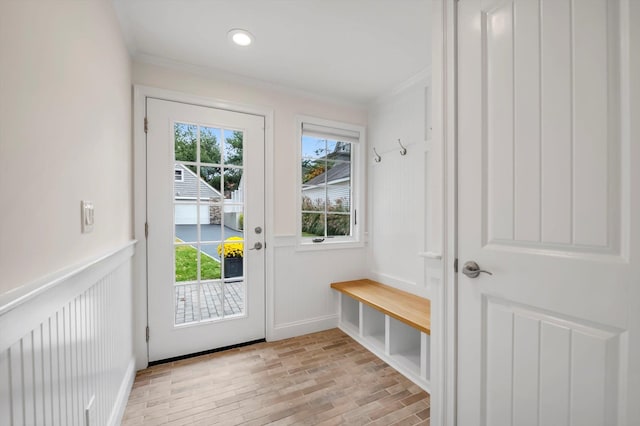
(548, 201)
(205, 212)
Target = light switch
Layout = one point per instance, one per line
(87, 217)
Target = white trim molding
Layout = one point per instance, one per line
(420, 76)
(212, 72)
(443, 291)
(357, 183)
(123, 394)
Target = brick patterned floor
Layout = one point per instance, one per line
(210, 302)
(322, 378)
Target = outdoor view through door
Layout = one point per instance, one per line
(205, 207)
(209, 222)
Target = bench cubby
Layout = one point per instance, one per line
(373, 326)
(404, 345)
(392, 324)
(350, 315)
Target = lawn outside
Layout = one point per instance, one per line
(187, 265)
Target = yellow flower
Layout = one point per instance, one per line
(232, 249)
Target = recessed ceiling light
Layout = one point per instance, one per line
(240, 37)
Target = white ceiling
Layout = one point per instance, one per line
(353, 50)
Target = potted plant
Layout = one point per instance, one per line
(232, 251)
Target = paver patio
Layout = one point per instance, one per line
(211, 301)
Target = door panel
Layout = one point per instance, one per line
(205, 184)
(543, 197)
(541, 359)
(552, 169)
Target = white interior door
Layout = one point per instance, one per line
(205, 184)
(548, 203)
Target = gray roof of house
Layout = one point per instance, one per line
(188, 187)
(337, 172)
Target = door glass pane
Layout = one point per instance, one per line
(210, 184)
(186, 263)
(185, 141)
(211, 232)
(185, 218)
(211, 300)
(184, 178)
(210, 268)
(233, 146)
(210, 141)
(232, 183)
(186, 306)
(234, 297)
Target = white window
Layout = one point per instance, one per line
(330, 183)
(178, 177)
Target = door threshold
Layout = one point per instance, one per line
(209, 351)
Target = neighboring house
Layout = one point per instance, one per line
(186, 191)
(234, 208)
(336, 182)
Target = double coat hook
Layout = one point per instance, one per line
(377, 158)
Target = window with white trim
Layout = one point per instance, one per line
(178, 177)
(329, 154)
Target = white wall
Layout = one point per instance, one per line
(65, 135)
(301, 298)
(403, 190)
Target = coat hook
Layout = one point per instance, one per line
(403, 150)
(377, 158)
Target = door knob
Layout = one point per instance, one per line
(256, 246)
(472, 269)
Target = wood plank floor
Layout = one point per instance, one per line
(322, 378)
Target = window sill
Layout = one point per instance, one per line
(328, 245)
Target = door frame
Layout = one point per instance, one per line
(140, 302)
(444, 311)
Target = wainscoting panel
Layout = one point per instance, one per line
(301, 300)
(80, 356)
(403, 191)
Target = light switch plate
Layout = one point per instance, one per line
(87, 216)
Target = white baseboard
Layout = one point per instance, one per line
(299, 328)
(122, 398)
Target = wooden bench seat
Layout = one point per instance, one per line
(412, 310)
